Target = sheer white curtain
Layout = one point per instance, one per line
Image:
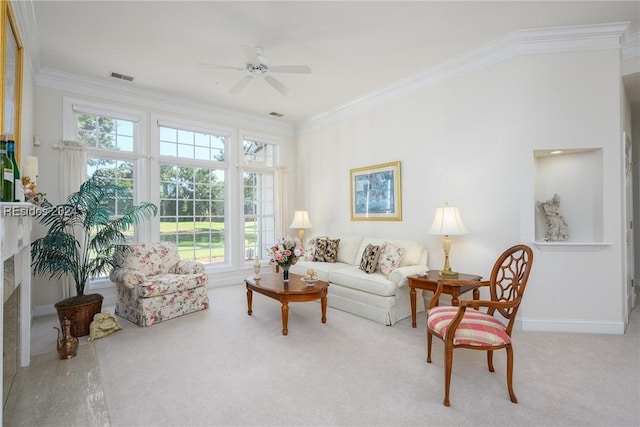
(73, 172)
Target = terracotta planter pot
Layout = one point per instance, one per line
(80, 311)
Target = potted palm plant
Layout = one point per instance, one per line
(81, 243)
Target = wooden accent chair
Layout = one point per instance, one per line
(477, 330)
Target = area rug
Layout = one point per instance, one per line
(222, 367)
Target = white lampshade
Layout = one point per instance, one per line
(300, 220)
(447, 222)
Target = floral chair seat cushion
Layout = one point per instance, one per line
(170, 283)
(476, 329)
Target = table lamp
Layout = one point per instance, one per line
(301, 222)
(447, 222)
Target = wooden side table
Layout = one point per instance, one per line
(430, 283)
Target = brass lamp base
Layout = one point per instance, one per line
(448, 274)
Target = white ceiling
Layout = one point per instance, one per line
(353, 48)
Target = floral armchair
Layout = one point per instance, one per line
(154, 285)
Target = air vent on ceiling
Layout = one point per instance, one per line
(274, 114)
(122, 77)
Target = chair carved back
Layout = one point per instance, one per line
(508, 280)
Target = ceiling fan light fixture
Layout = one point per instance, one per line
(257, 69)
(258, 66)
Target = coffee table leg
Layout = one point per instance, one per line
(323, 304)
(249, 299)
(412, 298)
(285, 317)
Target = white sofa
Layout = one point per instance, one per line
(371, 295)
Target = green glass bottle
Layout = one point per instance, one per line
(18, 194)
(7, 174)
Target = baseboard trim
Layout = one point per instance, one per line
(576, 326)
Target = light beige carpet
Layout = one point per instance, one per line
(223, 367)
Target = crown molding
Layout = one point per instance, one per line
(536, 41)
(26, 21)
(631, 46)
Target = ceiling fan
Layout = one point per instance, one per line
(258, 66)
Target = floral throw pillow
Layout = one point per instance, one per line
(389, 259)
(312, 246)
(370, 258)
(327, 250)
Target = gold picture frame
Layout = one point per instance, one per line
(12, 52)
(376, 193)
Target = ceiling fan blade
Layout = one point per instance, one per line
(241, 84)
(277, 85)
(300, 69)
(251, 53)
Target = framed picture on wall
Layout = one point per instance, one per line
(376, 193)
(12, 52)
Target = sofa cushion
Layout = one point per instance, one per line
(413, 252)
(354, 278)
(322, 268)
(327, 250)
(389, 258)
(370, 258)
(348, 250)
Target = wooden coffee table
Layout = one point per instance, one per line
(272, 285)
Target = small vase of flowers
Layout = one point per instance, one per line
(285, 253)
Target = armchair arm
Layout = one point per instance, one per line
(187, 267)
(453, 282)
(399, 275)
(127, 277)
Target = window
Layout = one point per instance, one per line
(111, 142)
(118, 172)
(193, 188)
(191, 145)
(107, 133)
(259, 182)
(215, 188)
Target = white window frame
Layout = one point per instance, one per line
(231, 134)
(242, 168)
(73, 106)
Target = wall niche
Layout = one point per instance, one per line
(576, 176)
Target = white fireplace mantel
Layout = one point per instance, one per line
(15, 227)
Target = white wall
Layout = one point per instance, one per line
(470, 142)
